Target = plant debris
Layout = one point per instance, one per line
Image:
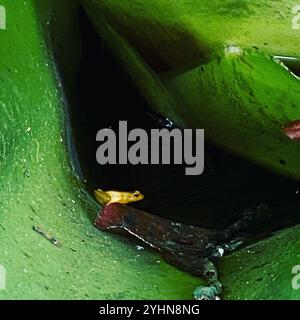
(189, 248)
(50, 238)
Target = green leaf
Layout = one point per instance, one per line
(39, 186)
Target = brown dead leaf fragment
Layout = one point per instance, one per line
(292, 130)
(181, 245)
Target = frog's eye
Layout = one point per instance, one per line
(136, 194)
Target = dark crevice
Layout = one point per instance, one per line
(228, 186)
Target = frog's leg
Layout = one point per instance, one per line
(214, 288)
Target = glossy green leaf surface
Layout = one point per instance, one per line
(39, 185)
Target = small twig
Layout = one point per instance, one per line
(51, 239)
